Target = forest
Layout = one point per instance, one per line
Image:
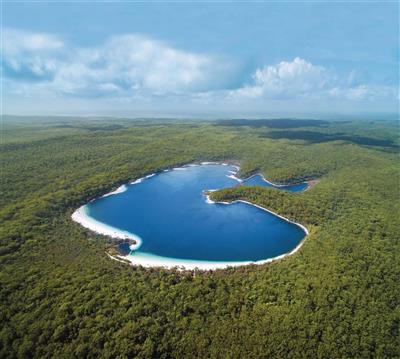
(61, 296)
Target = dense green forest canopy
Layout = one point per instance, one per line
(338, 297)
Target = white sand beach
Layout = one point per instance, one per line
(82, 217)
(152, 261)
(120, 189)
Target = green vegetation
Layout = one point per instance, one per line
(338, 297)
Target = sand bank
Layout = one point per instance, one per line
(152, 261)
(120, 189)
(82, 216)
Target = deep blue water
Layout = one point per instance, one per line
(170, 213)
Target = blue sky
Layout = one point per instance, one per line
(200, 59)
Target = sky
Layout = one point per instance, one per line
(215, 59)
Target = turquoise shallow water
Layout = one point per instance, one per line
(170, 214)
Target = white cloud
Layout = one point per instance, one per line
(302, 79)
(125, 64)
(134, 69)
(288, 79)
(30, 54)
(133, 63)
(16, 42)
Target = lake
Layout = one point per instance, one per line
(174, 223)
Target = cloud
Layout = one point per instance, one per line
(132, 64)
(16, 42)
(29, 55)
(133, 69)
(364, 92)
(124, 65)
(302, 79)
(286, 80)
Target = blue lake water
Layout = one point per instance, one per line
(169, 212)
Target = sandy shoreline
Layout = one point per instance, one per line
(120, 189)
(309, 183)
(152, 261)
(82, 217)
